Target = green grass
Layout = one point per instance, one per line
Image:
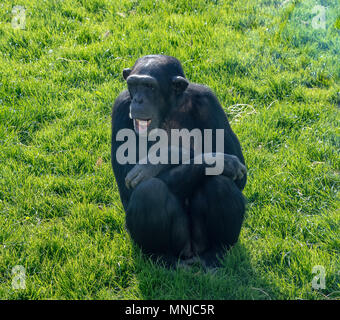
(60, 213)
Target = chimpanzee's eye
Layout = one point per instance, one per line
(132, 90)
(149, 86)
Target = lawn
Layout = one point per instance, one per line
(275, 70)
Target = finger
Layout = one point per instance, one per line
(128, 179)
(239, 175)
(235, 175)
(132, 173)
(130, 176)
(127, 183)
(232, 174)
(242, 171)
(136, 180)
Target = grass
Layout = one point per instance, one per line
(60, 213)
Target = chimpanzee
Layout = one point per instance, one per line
(176, 212)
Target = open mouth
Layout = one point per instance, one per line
(141, 126)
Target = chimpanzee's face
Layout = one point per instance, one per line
(147, 103)
(153, 84)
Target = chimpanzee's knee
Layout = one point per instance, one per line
(217, 211)
(156, 220)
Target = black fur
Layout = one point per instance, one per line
(178, 212)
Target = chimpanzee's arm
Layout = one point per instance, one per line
(121, 120)
(206, 113)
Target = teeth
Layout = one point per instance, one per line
(130, 115)
(141, 126)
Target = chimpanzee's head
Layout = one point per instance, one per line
(154, 83)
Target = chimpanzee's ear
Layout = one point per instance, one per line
(179, 84)
(126, 73)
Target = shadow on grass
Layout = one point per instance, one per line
(236, 279)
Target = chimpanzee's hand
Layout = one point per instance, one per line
(233, 167)
(141, 172)
(147, 170)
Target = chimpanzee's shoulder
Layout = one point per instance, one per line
(199, 90)
(202, 98)
(121, 103)
(122, 99)
(120, 111)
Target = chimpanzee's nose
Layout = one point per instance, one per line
(138, 99)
